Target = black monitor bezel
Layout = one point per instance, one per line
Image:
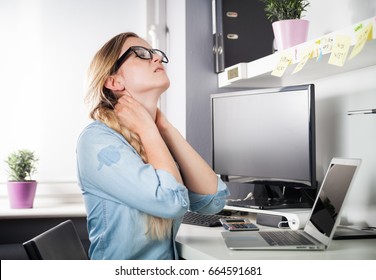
(310, 88)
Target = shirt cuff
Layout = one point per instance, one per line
(209, 203)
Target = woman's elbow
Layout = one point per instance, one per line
(175, 206)
(216, 205)
(174, 212)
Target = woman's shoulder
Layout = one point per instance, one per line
(97, 130)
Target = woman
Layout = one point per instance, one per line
(137, 173)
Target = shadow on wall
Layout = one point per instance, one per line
(341, 135)
(329, 129)
(362, 9)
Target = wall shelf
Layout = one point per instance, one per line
(257, 74)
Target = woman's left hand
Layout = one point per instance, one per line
(161, 121)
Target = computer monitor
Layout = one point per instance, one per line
(266, 137)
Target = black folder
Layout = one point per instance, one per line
(241, 32)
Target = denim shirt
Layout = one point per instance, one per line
(119, 189)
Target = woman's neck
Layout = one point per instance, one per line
(150, 101)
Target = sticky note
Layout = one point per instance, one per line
(319, 55)
(341, 46)
(308, 53)
(362, 36)
(282, 65)
(326, 44)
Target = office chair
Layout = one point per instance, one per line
(58, 243)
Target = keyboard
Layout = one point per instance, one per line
(197, 219)
(284, 238)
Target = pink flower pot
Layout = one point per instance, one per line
(290, 32)
(21, 194)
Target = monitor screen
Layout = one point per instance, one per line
(265, 136)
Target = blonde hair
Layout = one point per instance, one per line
(103, 101)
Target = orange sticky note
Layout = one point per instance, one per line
(362, 37)
(341, 46)
(282, 65)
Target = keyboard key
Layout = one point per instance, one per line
(284, 238)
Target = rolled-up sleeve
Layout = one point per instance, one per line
(209, 204)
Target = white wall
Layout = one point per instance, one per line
(337, 133)
(46, 47)
(175, 99)
(328, 16)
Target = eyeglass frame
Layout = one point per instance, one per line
(127, 53)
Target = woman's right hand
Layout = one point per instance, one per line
(133, 115)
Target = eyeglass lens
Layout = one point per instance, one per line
(144, 53)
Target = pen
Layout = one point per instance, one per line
(362, 112)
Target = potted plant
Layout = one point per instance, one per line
(21, 188)
(288, 27)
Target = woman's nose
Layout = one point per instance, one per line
(157, 58)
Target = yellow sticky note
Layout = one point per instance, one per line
(340, 50)
(309, 52)
(282, 65)
(362, 37)
(326, 44)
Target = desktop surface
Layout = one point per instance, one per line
(206, 243)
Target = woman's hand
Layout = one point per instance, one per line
(161, 121)
(133, 115)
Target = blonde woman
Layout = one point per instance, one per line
(138, 175)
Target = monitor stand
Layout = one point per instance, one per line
(273, 197)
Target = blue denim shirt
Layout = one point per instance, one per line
(119, 188)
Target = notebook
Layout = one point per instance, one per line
(322, 222)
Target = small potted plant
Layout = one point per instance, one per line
(21, 188)
(288, 27)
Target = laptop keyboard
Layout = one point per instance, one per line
(284, 238)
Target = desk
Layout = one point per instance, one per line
(46, 207)
(202, 243)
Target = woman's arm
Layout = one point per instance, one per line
(135, 117)
(109, 168)
(197, 175)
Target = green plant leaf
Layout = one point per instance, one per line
(284, 9)
(22, 165)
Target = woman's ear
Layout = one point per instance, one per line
(113, 83)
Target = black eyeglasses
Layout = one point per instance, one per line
(140, 52)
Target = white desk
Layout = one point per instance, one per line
(202, 243)
(46, 206)
(195, 242)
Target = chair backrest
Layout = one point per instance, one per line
(58, 243)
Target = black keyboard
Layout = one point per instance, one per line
(284, 238)
(197, 219)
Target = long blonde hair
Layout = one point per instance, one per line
(103, 101)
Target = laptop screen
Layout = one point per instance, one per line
(331, 197)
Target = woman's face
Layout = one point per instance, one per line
(140, 77)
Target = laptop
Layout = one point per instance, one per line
(322, 222)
